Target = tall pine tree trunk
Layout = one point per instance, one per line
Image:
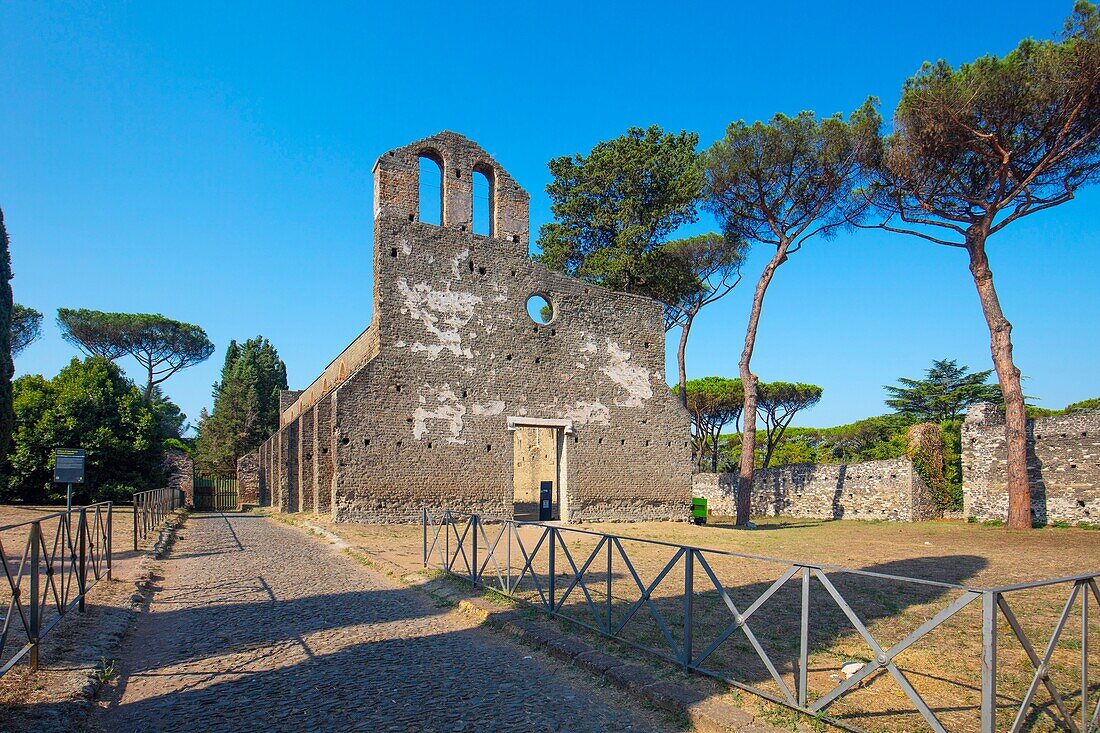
(1000, 346)
(748, 381)
(681, 357)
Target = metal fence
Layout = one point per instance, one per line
(218, 494)
(151, 508)
(533, 562)
(50, 564)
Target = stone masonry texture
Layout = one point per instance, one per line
(248, 479)
(1063, 466)
(421, 409)
(180, 470)
(256, 627)
(885, 490)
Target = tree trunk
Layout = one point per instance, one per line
(748, 381)
(1000, 345)
(698, 444)
(714, 451)
(149, 384)
(681, 358)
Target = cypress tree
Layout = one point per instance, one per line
(7, 366)
(246, 406)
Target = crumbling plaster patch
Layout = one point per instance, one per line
(443, 313)
(587, 413)
(444, 405)
(631, 377)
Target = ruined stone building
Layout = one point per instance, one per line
(481, 374)
(1063, 465)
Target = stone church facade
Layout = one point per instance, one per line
(454, 390)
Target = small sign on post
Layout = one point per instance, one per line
(68, 468)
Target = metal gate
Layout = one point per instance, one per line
(216, 494)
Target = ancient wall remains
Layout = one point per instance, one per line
(886, 490)
(1063, 466)
(180, 470)
(421, 409)
(248, 480)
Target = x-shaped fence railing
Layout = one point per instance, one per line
(481, 551)
(63, 555)
(151, 508)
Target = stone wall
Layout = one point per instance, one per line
(889, 489)
(421, 409)
(322, 452)
(248, 480)
(180, 468)
(1063, 466)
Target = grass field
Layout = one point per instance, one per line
(943, 667)
(14, 542)
(32, 701)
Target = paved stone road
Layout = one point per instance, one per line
(258, 627)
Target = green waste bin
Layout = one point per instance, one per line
(699, 510)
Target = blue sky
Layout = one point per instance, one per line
(211, 161)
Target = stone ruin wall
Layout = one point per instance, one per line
(425, 420)
(248, 480)
(1063, 466)
(884, 490)
(179, 468)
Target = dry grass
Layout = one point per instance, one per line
(50, 699)
(944, 667)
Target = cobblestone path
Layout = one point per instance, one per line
(256, 627)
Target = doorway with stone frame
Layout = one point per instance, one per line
(538, 455)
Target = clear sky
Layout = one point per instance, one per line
(211, 162)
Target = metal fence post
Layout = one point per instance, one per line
(609, 542)
(34, 621)
(473, 548)
(989, 661)
(804, 647)
(552, 573)
(1084, 655)
(82, 568)
(689, 598)
(110, 535)
(424, 527)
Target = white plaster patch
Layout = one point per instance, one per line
(631, 377)
(587, 413)
(490, 408)
(442, 405)
(442, 312)
(406, 248)
(456, 264)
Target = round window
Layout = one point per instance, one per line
(540, 309)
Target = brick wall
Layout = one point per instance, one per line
(1063, 466)
(890, 489)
